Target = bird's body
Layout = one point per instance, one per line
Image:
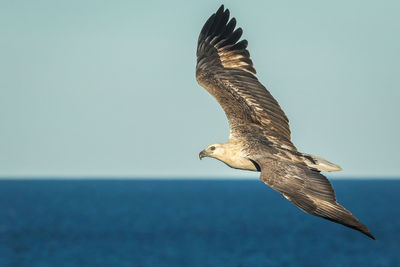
(259, 137)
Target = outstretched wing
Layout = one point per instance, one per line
(309, 190)
(225, 70)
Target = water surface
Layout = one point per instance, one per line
(190, 223)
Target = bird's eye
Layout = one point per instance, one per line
(212, 148)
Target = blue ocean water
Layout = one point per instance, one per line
(190, 223)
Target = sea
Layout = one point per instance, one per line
(150, 222)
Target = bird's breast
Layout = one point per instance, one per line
(238, 161)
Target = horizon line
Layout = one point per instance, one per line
(178, 177)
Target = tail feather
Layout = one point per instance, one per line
(320, 164)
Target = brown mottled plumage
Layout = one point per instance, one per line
(259, 137)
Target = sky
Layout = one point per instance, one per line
(108, 88)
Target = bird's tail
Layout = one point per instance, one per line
(320, 164)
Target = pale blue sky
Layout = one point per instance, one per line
(107, 88)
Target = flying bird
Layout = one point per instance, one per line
(259, 138)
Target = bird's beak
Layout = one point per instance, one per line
(203, 154)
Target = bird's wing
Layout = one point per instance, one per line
(307, 189)
(225, 70)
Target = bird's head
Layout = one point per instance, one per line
(213, 151)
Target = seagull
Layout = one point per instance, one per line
(259, 138)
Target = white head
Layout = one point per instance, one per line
(216, 150)
(231, 154)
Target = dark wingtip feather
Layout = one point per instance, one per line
(339, 214)
(240, 45)
(220, 23)
(219, 33)
(371, 235)
(363, 229)
(206, 27)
